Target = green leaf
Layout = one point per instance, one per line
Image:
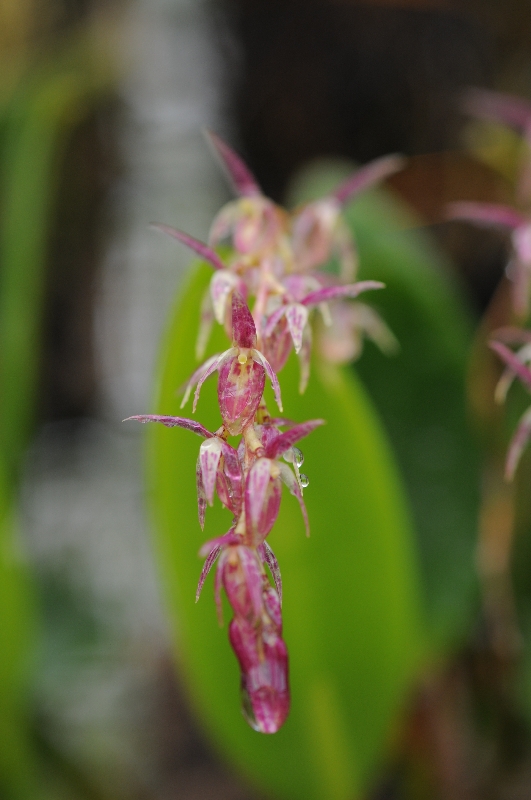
(420, 394)
(352, 619)
(17, 637)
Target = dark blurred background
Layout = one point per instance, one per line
(102, 105)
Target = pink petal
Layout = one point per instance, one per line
(206, 320)
(209, 456)
(216, 364)
(298, 286)
(203, 250)
(485, 214)
(173, 422)
(271, 375)
(201, 496)
(243, 327)
(277, 346)
(285, 440)
(367, 176)
(258, 226)
(233, 471)
(196, 375)
(297, 317)
(263, 659)
(273, 320)
(223, 223)
(218, 583)
(283, 422)
(512, 361)
(250, 565)
(242, 578)
(240, 390)
(256, 490)
(270, 559)
(221, 285)
(241, 177)
(333, 292)
(291, 482)
(207, 566)
(497, 107)
(229, 538)
(518, 442)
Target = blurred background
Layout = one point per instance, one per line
(102, 106)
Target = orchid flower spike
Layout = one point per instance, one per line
(272, 261)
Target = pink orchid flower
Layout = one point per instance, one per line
(274, 260)
(242, 371)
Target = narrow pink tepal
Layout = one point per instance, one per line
(243, 327)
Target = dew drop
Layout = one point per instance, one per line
(288, 455)
(298, 457)
(305, 481)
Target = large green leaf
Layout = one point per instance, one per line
(351, 603)
(420, 394)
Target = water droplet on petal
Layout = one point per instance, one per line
(298, 458)
(289, 455)
(304, 479)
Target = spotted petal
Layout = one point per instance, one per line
(173, 422)
(284, 441)
(201, 496)
(215, 364)
(271, 374)
(243, 327)
(262, 497)
(297, 317)
(270, 559)
(196, 375)
(207, 566)
(209, 456)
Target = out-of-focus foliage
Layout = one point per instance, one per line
(42, 99)
(17, 634)
(420, 394)
(351, 603)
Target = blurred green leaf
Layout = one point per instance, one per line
(351, 601)
(420, 394)
(35, 125)
(36, 128)
(17, 633)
